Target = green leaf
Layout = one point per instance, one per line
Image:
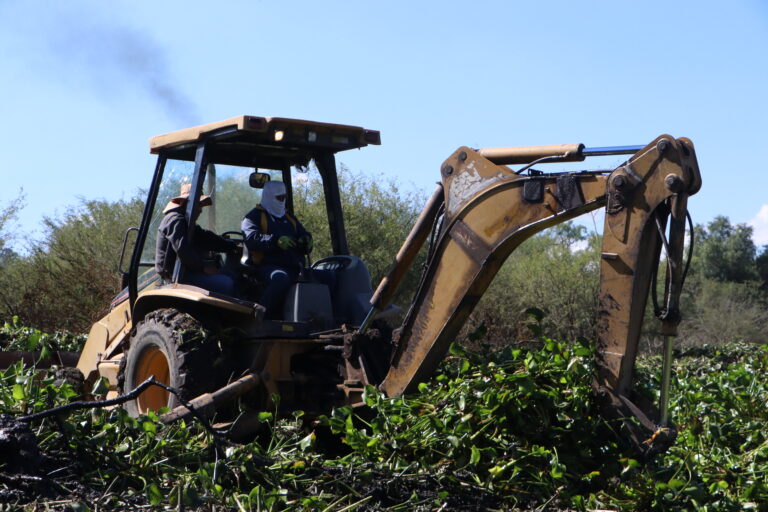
(495, 471)
(675, 484)
(33, 340)
(100, 387)
(154, 494)
(558, 470)
(45, 353)
(18, 392)
(629, 465)
(122, 448)
(308, 441)
(720, 485)
(475, 457)
(256, 493)
(457, 350)
(582, 352)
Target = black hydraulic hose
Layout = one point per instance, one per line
(436, 225)
(690, 247)
(654, 296)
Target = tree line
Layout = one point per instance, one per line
(66, 280)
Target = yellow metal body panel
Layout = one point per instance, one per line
(148, 300)
(194, 133)
(109, 369)
(108, 331)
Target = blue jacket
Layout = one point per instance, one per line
(263, 242)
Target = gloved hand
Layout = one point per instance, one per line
(286, 242)
(305, 243)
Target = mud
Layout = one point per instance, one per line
(19, 452)
(35, 480)
(20, 463)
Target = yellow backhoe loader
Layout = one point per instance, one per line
(326, 347)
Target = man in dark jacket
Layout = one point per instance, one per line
(173, 242)
(278, 244)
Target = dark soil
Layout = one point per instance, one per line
(29, 477)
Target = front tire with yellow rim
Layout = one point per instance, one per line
(174, 348)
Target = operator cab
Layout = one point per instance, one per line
(231, 161)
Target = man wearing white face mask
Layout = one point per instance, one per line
(277, 243)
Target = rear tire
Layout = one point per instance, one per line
(174, 348)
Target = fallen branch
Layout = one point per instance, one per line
(85, 404)
(131, 395)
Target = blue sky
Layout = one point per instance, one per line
(85, 84)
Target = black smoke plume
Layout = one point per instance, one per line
(115, 59)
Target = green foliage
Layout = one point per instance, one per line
(725, 252)
(8, 257)
(509, 430)
(719, 460)
(520, 424)
(556, 272)
(761, 263)
(8, 215)
(719, 313)
(724, 298)
(68, 280)
(14, 336)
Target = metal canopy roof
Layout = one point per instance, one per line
(264, 142)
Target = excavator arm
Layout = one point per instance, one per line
(483, 211)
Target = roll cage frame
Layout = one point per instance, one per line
(260, 143)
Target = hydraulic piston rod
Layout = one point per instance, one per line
(556, 153)
(404, 258)
(611, 150)
(666, 377)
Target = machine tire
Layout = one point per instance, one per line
(176, 349)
